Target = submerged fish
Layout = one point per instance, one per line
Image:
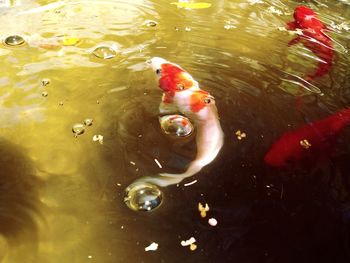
(314, 138)
(182, 94)
(313, 38)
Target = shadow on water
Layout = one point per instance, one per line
(19, 200)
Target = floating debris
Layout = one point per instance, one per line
(98, 138)
(14, 40)
(273, 10)
(282, 28)
(176, 125)
(69, 41)
(142, 197)
(188, 242)
(228, 26)
(104, 52)
(78, 129)
(212, 222)
(305, 144)
(45, 82)
(132, 163)
(44, 94)
(341, 26)
(240, 135)
(203, 209)
(189, 5)
(158, 163)
(191, 183)
(253, 2)
(151, 23)
(88, 121)
(188, 29)
(152, 247)
(193, 247)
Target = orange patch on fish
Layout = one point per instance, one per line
(168, 97)
(197, 100)
(174, 79)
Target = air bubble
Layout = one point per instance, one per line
(151, 23)
(78, 129)
(45, 82)
(88, 122)
(104, 52)
(176, 125)
(14, 40)
(142, 197)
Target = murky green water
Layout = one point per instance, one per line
(61, 196)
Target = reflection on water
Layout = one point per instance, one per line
(238, 51)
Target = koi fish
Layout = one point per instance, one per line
(310, 139)
(182, 94)
(313, 38)
(176, 83)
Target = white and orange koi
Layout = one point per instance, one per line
(182, 94)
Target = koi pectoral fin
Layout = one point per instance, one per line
(294, 41)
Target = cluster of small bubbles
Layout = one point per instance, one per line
(14, 40)
(45, 82)
(142, 196)
(88, 121)
(78, 129)
(44, 94)
(104, 52)
(151, 23)
(176, 125)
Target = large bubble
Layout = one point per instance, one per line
(142, 196)
(176, 125)
(14, 40)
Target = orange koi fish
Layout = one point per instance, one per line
(290, 149)
(182, 94)
(176, 83)
(313, 38)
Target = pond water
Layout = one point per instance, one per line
(82, 66)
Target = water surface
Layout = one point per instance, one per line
(64, 194)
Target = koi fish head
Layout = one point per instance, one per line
(305, 18)
(303, 13)
(202, 104)
(171, 77)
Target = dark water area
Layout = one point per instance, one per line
(62, 197)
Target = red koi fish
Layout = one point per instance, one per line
(310, 139)
(182, 94)
(313, 38)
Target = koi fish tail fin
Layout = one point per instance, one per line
(166, 179)
(159, 180)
